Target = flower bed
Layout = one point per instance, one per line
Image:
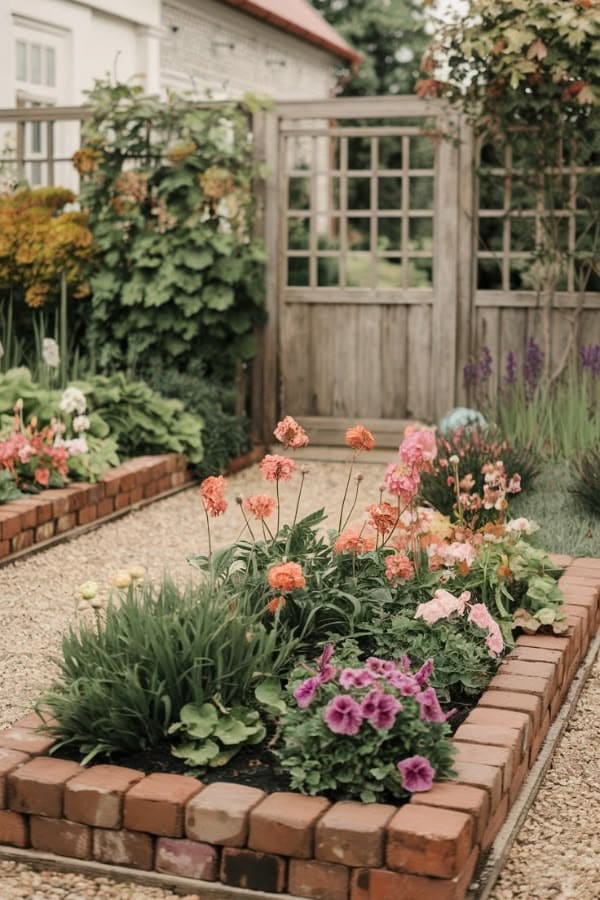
(309, 846)
(44, 517)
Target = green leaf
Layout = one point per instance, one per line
(269, 694)
(218, 296)
(201, 721)
(197, 259)
(197, 754)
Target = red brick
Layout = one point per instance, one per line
(353, 834)
(22, 541)
(14, 829)
(111, 481)
(27, 508)
(150, 489)
(463, 798)
(59, 500)
(495, 824)
(489, 778)
(533, 669)
(525, 703)
(87, 514)
(137, 494)
(179, 478)
(384, 885)
(34, 721)
(106, 507)
(61, 837)
(122, 500)
(427, 840)
(26, 740)
(38, 786)
(535, 654)
(496, 735)
(586, 564)
(285, 823)
(220, 813)
(44, 532)
(518, 779)
(253, 871)
(188, 859)
(95, 493)
(561, 560)
(505, 718)
(539, 739)
(66, 522)
(318, 880)
(4, 549)
(482, 754)
(359, 884)
(95, 797)
(164, 484)
(544, 642)
(577, 611)
(78, 496)
(44, 510)
(10, 522)
(523, 684)
(9, 760)
(123, 848)
(157, 804)
(555, 705)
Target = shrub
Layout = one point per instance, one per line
(123, 682)
(365, 732)
(587, 480)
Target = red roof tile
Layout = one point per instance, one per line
(300, 18)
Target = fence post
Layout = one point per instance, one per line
(466, 258)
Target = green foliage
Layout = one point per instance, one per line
(214, 734)
(125, 682)
(168, 187)
(474, 448)
(8, 489)
(587, 480)
(390, 35)
(362, 765)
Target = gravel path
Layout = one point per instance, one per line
(557, 854)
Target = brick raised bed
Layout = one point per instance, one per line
(50, 515)
(307, 846)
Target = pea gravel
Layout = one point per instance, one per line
(557, 854)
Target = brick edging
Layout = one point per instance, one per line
(307, 845)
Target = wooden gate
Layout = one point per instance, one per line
(363, 228)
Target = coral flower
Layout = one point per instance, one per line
(343, 715)
(211, 491)
(277, 468)
(360, 438)
(350, 541)
(42, 476)
(382, 516)
(398, 568)
(291, 434)
(260, 505)
(286, 577)
(276, 604)
(417, 774)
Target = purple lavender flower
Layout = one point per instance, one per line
(359, 678)
(511, 369)
(590, 359)
(305, 692)
(476, 373)
(485, 364)
(431, 711)
(343, 715)
(471, 374)
(417, 774)
(532, 367)
(380, 709)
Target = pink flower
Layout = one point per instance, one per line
(431, 711)
(360, 438)
(291, 434)
(406, 684)
(514, 485)
(277, 468)
(327, 672)
(494, 641)
(260, 505)
(212, 490)
(380, 668)
(359, 678)
(343, 715)
(419, 448)
(42, 476)
(442, 605)
(380, 709)
(398, 568)
(417, 774)
(286, 577)
(402, 480)
(306, 691)
(425, 672)
(480, 615)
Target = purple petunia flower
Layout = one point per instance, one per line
(343, 715)
(359, 678)
(405, 663)
(425, 672)
(380, 709)
(417, 774)
(406, 684)
(431, 711)
(380, 668)
(305, 692)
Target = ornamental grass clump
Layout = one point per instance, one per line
(369, 732)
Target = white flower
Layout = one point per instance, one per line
(454, 460)
(81, 423)
(50, 353)
(88, 590)
(73, 401)
(76, 445)
(18, 407)
(521, 526)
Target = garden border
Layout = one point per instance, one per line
(428, 848)
(35, 523)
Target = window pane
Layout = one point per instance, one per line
(50, 66)
(36, 64)
(298, 272)
(36, 137)
(21, 61)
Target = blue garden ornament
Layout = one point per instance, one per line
(461, 417)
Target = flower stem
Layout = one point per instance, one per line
(352, 508)
(208, 532)
(346, 491)
(248, 526)
(278, 509)
(298, 500)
